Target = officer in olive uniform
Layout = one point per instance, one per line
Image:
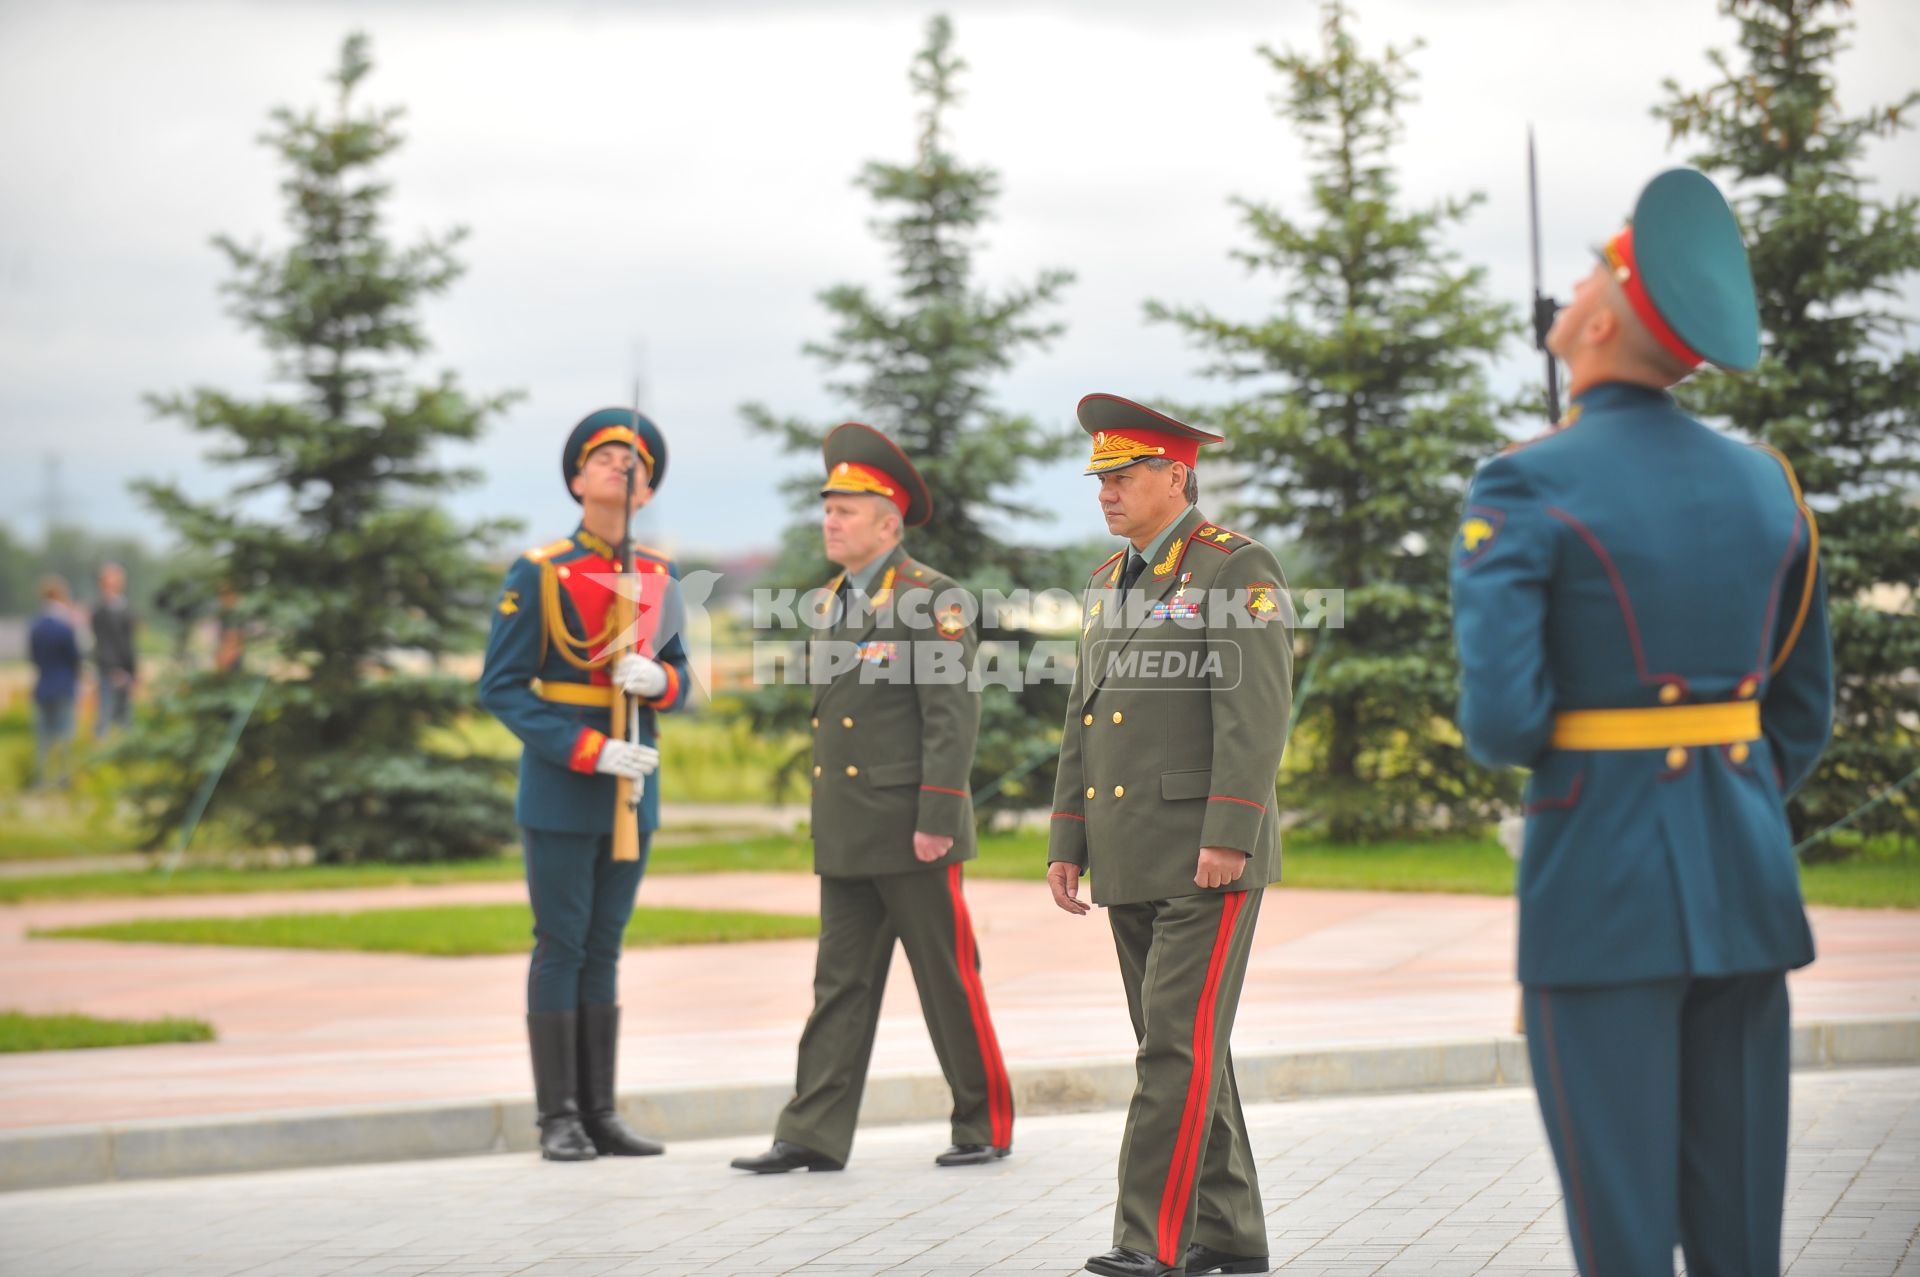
(894, 722)
(1165, 796)
(551, 677)
(1641, 623)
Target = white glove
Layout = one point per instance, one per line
(1513, 833)
(638, 675)
(624, 758)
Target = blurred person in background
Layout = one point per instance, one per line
(113, 659)
(55, 648)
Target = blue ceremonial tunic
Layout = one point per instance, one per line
(1637, 559)
(1641, 623)
(559, 788)
(555, 603)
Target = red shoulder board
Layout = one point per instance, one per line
(1219, 538)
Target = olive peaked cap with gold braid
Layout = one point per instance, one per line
(862, 461)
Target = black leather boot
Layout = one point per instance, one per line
(554, 1037)
(599, 1111)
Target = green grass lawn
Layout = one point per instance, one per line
(22, 1032)
(1471, 866)
(1882, 876)
(192, 881)
(446, 931)
(58, 838)
(1879, 875)
(710, 758)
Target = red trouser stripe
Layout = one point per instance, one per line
(999, 1089)
(1198, 1112)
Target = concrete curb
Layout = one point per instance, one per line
(47, 1157)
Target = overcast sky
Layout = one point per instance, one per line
(676, 178)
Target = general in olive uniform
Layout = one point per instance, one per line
(1641, 623)
(1173, 738)
(894, 723)
(551, 677)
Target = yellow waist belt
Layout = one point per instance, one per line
(573, 693)
(1662, 727)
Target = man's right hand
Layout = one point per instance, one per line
(1063, 878)
(627, 760)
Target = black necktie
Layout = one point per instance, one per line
(1135, 566)
(842, 597)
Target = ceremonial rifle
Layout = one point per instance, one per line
(627, 794)
(1544, 307)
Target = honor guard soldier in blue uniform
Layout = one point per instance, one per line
(1641, 623)
(551, 676)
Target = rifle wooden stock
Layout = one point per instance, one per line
(626, 819)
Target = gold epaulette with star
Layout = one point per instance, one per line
(545, 552)
(652, 552)
(1565, 423)
(1219, 538)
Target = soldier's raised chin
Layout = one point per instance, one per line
(1165, 797)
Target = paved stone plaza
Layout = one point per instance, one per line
(301, 1029)
(1435, 1184)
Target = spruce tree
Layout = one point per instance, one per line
(354, 580)
(919, 364)
(1838, 387)
(1363, 408)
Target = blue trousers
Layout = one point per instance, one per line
(582, 898)
(113, 708)
(52, 741)
(1666, 1106)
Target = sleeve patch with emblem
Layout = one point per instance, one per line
(1477, 532)
(1261, 605)
(952, 624)
(509, 602)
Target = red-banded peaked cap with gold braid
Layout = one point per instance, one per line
(1126, 433)
(862, 461)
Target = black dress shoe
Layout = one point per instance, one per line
(970, 1155)
(1122, 1261)
(783, 1157)
(1205, 1259)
